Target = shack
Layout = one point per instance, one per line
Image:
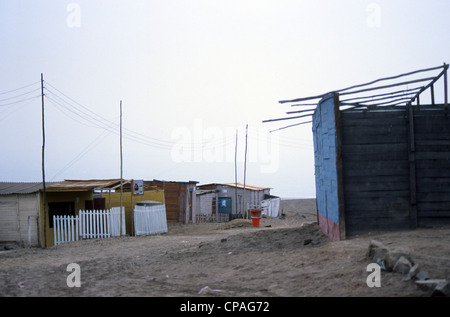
(229, 198)
(22, 210)
(382, 155)
(19, 213)
(179, 198)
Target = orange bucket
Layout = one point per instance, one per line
(255, 213)
(255, 221)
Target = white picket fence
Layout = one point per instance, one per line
(89, 224)
(150, 220)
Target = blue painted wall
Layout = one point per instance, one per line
(325, 149)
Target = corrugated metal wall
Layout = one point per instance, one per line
(14, 213)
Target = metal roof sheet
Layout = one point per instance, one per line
(11, 188)
(84, 185)
(238, 185)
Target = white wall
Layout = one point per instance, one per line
(14, 213)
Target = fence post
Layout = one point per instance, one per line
(54, 230)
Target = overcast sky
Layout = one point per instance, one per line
(189, 75)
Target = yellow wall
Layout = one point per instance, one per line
(129, 201)
(78, 198)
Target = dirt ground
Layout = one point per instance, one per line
(283, 257)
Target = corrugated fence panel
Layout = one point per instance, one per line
(150, 220)
(9, 224)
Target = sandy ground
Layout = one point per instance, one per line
(283, 257)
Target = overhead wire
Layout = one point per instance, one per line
(96, 120)
(280, 140)
(86, 150)
(20, 88)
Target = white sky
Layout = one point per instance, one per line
(189, 74)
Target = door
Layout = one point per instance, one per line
(95, 204)
(60, 209)
(225, 205)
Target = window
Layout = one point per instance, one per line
(60, 209)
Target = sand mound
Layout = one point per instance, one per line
(235, 223)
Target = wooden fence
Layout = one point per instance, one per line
(89, 224)
(203, 218)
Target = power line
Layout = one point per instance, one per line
(23, 94)
(13, 90)
(12, 110)
(85, 151)
(19, 101)
(95, 120)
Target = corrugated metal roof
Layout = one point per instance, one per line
(251, 187)
(238, 185)
(12, 188)
(84, 185)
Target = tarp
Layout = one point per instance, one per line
(271, 207)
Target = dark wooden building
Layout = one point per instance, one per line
(179, 198)
(382, 160)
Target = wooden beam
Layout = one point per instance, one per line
(370, 83)
(445, 85)
(288, 118)
(412, 169)
(432, 94)
(339, 168)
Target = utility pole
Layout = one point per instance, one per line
(43, 163)
(245, 168)
(121, 169)
(235, 173)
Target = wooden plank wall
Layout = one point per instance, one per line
(432, 145)
(173, 194)
(375, 170)
(383, 189)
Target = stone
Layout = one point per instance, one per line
(377, 250)
(442, 289)
(391, 258)
(402, 265)
(422, 276)
(413, 271)
(426, 285)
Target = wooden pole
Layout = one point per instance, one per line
(121, 170)
(44, 195)
(412, 168)
(235, 173)
(132, 208)
(245, 169)
(445, 85)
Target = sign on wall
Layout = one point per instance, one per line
(138, 187)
